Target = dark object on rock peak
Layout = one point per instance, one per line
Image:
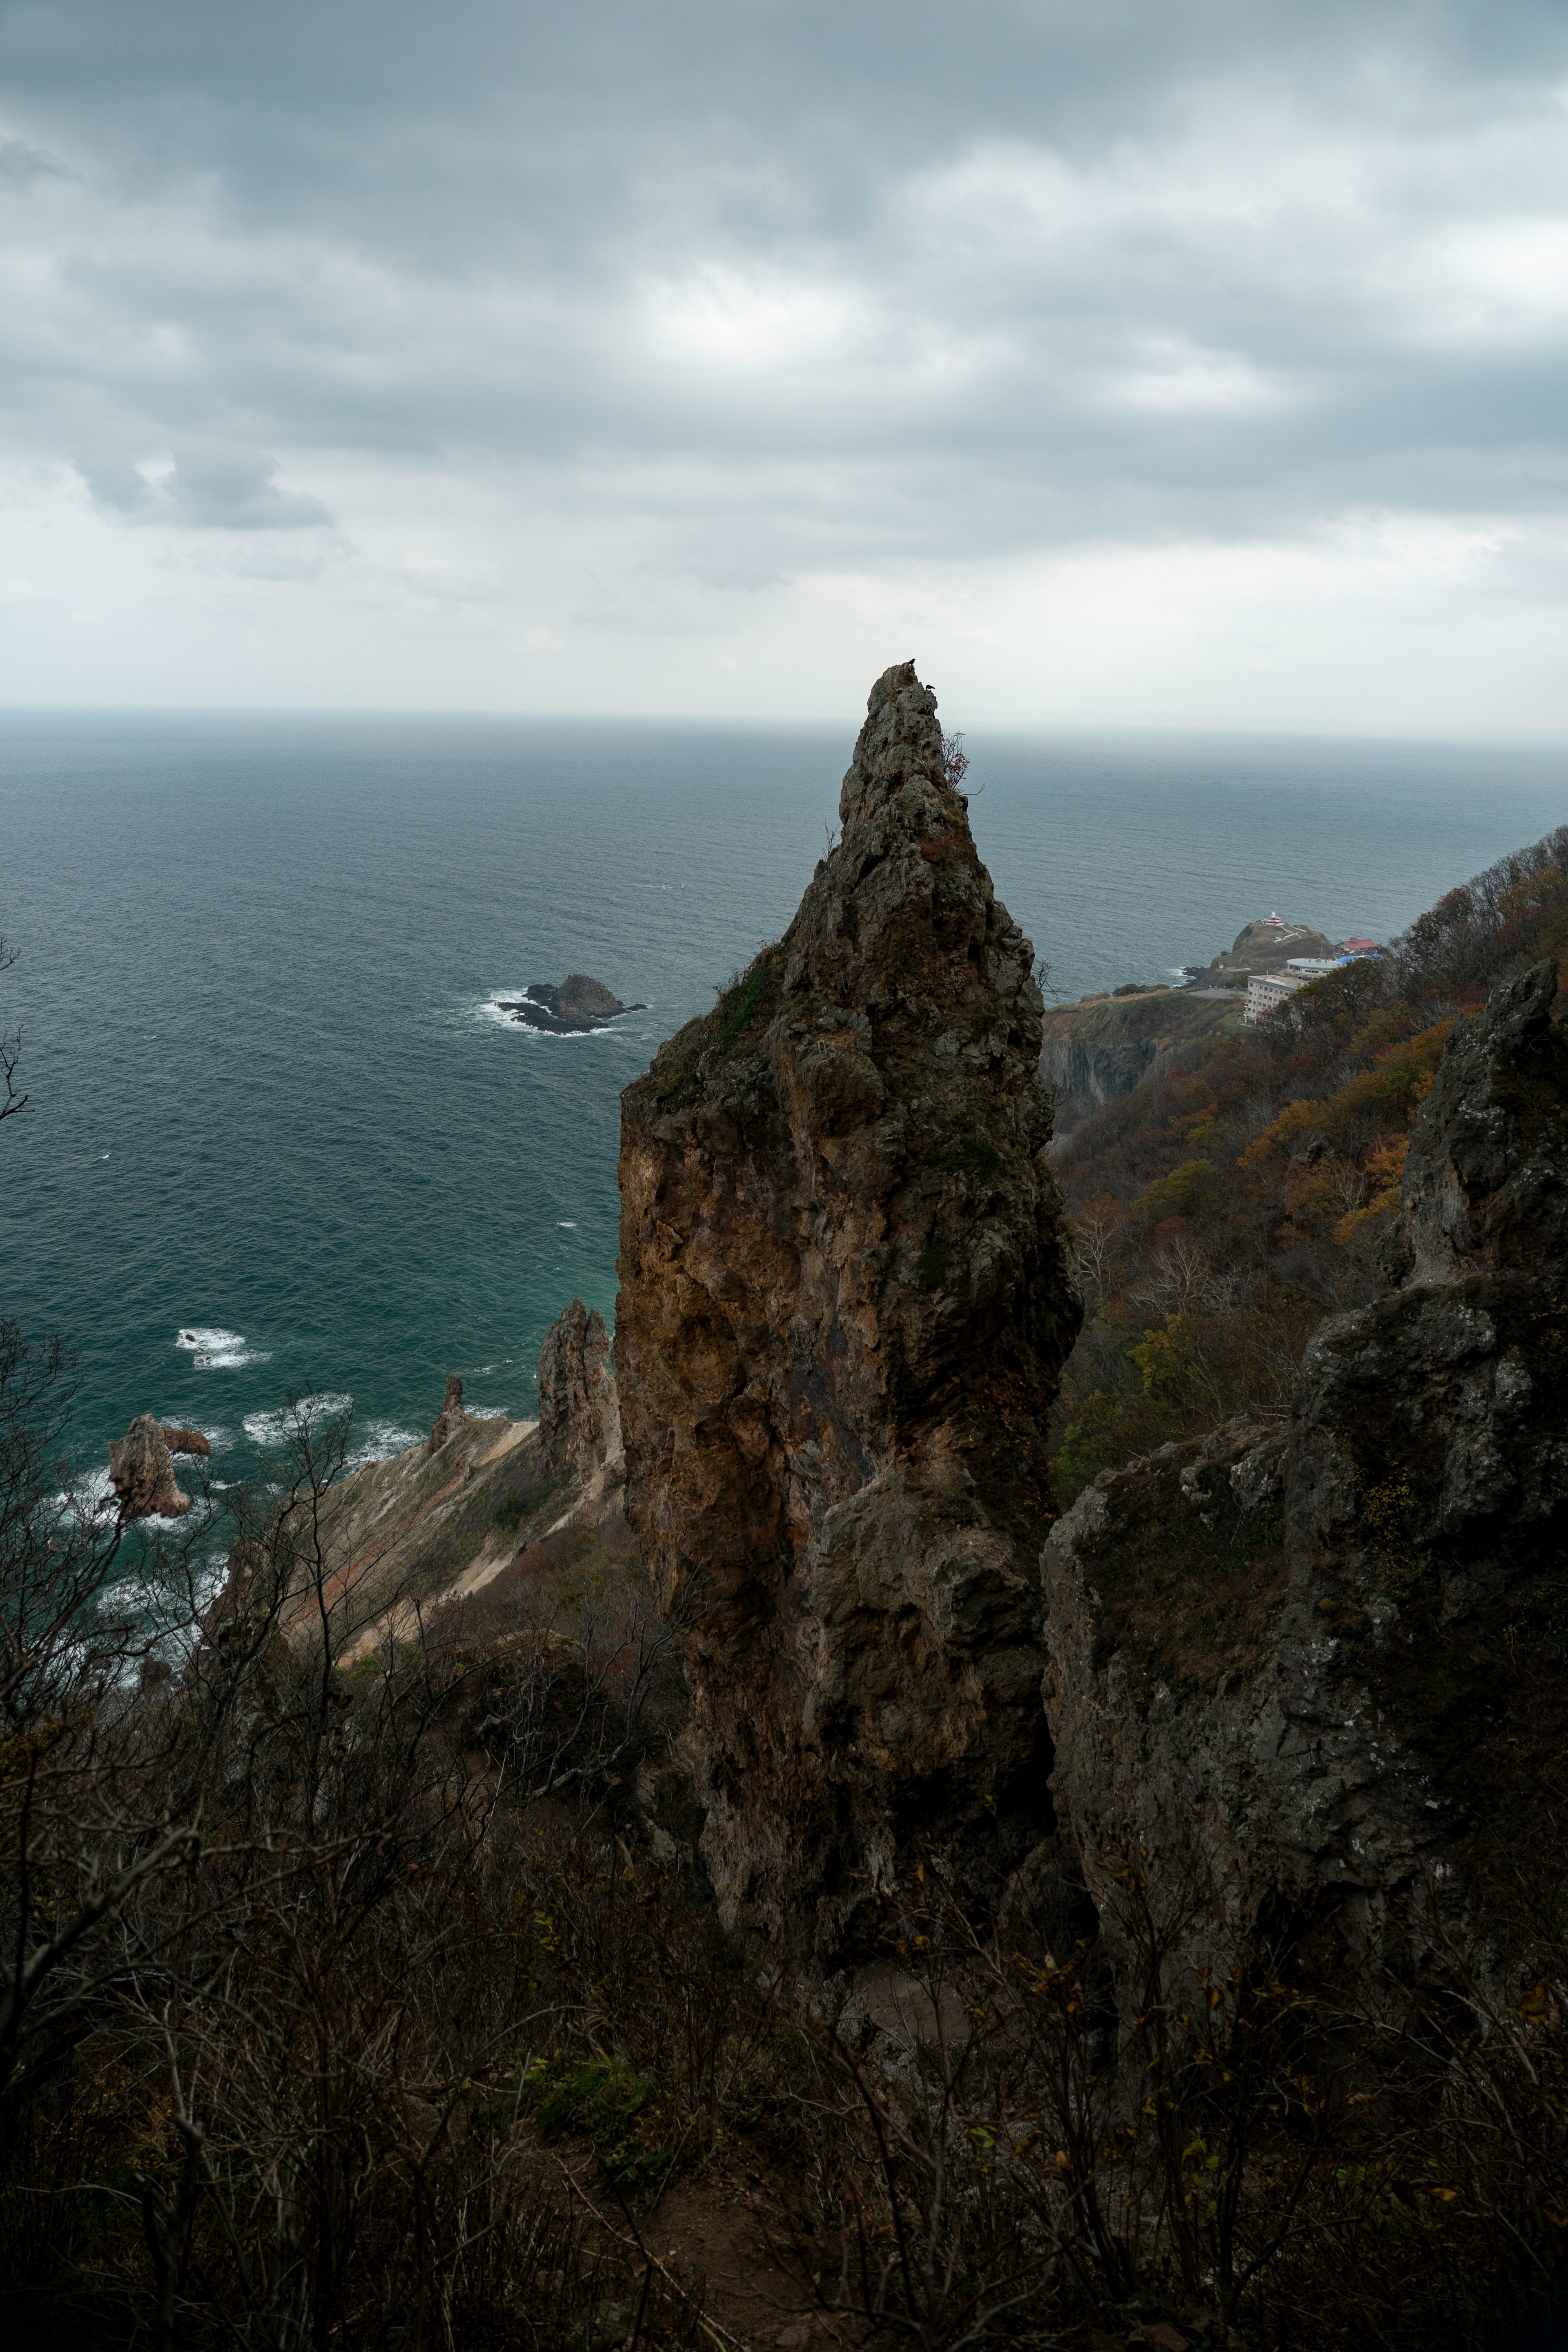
(579, 1003)
(845, 1304)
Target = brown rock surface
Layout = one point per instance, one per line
(451, 1417)
(844, 1308)
(185, 1441)
(1324, 1656)
(142, 1472)
(578, 1421)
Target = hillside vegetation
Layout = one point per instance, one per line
(1224, 1207)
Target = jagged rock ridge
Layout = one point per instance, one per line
(844, 1308)
(1319, 1658)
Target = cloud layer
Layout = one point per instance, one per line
(1196, 364)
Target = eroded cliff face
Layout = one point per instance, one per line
(1096, 1052)
(844, 1308)
(1326, 1664)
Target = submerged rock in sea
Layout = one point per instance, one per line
(578, 1004)
(1316, 1670)
(845, 1304)
(141, 1470)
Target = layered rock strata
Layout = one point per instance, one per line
(845, 1303)
(1321, 1663)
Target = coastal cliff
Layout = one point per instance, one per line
(1096, 1052)
(845, 1303)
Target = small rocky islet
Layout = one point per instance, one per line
(579, 1003)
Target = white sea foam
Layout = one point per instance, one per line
(277, 1428)
(382, 1438)
(90, 1497)
(218, 1351)
(567, 1224)
(490, 1010)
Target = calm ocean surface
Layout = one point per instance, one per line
(274, 1109)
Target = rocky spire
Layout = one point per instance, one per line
(577, 1428)
(844, 1308)
(450, 1418)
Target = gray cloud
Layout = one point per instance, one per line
(784, 285)
(20, 165)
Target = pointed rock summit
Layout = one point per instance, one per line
(845, 1304)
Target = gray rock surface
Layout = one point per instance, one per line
(1287, 1657)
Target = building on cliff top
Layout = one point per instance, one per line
(1266, 992)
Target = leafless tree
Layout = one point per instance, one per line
(10, 1048)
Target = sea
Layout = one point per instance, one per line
(280, 1141)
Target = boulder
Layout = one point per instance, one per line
(845, 1304)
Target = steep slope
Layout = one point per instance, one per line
(1323, 1664)
(844, 1308)
(477, 1501)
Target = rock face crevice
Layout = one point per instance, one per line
(1319, 1660)
(845, 1303)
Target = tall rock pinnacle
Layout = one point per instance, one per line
(845, 1304)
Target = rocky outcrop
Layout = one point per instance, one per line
(142, 1469)
(579, 1421)
(844, 1306)
(578, 1004)
(451, 1418)
(185, 1441)
(1267, 945)
(1320, 1664)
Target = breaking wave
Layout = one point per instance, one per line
(215, 1351)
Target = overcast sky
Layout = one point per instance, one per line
(1187, 362)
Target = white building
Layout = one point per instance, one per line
(1314, 967)
(1266, 992)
